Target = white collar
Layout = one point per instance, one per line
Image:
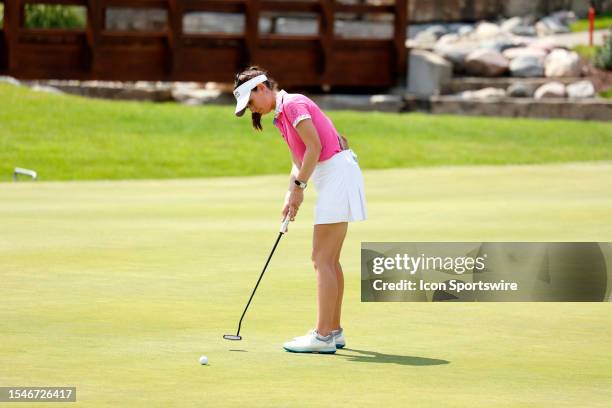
(279, 102)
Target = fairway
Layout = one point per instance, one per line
(118, 287)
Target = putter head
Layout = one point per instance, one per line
(232, 337)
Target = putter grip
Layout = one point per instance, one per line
(284, 225)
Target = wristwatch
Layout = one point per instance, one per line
(300, 184)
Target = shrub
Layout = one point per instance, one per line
(603, 57)
(54, 16)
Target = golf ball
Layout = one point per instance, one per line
(203, 360)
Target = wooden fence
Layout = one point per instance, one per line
(96, 52)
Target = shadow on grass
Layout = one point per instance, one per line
(366, 356)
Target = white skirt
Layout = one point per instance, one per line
(340, 188)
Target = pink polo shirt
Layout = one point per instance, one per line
(291, 109)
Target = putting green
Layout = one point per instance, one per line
(117, 288)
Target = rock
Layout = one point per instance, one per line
(527, 67)
(562, 63)
(198, 96)
(47, 89)
(181, 91)
(483, 62)
(448, 39)
(456, 54)
(510, 24)
(581, 89)
(565, 17)
(485, 93)
(525, 31)
(438, 30)
(430, 35)
(193, 93)
(550, 90)
(498, 45)
(465, 30)
(9, 80)
(429, 73)
(486, 30)
(516, 52)
(545, 44)
(551, 25)
(380, 103)
(386, 103)
(520, 90)
(426, 39)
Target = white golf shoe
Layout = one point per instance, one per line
(312, 342)
(338, 336)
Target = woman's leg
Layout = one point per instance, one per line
(326, 246)
(340, 280)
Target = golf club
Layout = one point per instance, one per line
(283, 230)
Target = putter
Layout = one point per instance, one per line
(283, 230)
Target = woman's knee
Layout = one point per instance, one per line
(322, 261)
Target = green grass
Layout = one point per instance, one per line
(602, 22)
(117, 288)
(73, 138)
(606, 94)
(586, 51)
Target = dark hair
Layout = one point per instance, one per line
(249, 73)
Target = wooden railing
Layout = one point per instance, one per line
(173, 55)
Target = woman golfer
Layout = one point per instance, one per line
(319, 153)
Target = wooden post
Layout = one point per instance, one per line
(175, 33)
(401, 26)
(95, 24)
(326, 38)
(251, 32)
(13, 21)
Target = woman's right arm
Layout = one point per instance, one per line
(295, 169)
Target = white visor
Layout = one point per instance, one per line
(243, 93)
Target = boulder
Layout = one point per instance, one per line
(545, 44)
(525, 31)
(483, 62)
(465, 30)
(565, 17)
(551, 25)
(499, 44)
(562, 63)
(581, 89)
(426, 39)
(527, 67)
(486, 30)
(430, 35)
(485, 93)
(510, 24)
(456, 54)
(429, 73)
(520, 90)
(516, 52)
(550, 90)
(9, 80)
(448, 39)
(46, 89)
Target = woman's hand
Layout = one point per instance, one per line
(293, 200)
(343, 143)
